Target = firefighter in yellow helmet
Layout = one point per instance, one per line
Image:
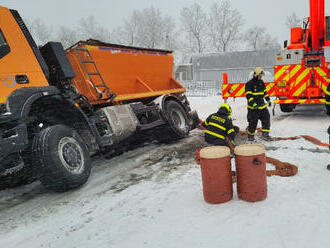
(256, 93)
(219, 125)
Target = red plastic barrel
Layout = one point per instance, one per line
(216, 174)
(250, 163)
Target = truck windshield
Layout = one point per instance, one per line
(4, 47)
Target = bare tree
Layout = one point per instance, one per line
(128, 32)
(225, 26)
(293, 21)
(40, 32)
(257, 38)
(89, 28)
(170, 34)
(147, 28)
(270, 43)
(194, 25)
(66, 36)
(154, 30)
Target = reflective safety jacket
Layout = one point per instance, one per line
(327, 99)
(255, 92)
(218, 126)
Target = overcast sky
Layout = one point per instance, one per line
(111, 13)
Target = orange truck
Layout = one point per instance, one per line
(302, 70)
(57, 108)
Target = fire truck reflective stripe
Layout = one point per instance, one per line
(293, 73)
(270, 89)
(320, 71)
(292, 70)
(296, 101)
(215, 134)
(280, 72)
(294, 77)
(225, 91)
(300, 84)
(241, 92)
(238, 90)
(217, 126)
(288, 77)
(324, 80)
(233, 90)
(326, 92)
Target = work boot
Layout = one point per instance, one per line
(250, 137)
(265, 136)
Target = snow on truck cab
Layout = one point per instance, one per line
(59, 107)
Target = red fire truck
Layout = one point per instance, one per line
(302, 69)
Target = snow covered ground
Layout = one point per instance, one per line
(152, 197)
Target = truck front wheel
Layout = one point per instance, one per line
(62, 158)
(177, 119)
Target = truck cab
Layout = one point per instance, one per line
(21, 64)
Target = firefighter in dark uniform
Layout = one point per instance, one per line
(219, 126)
(256, 92)
(327, 105)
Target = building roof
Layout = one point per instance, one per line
(238, 65)
(244, 59)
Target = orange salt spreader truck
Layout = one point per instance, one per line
(58, 107)
(302, 69)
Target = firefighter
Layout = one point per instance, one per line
(327, 105)
(219, 125)
(256, 92)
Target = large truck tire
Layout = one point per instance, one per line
(287, 108)
(62, 158)
(177, 119)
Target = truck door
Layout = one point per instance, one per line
(19, 63)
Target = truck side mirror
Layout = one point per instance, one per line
(285, 43)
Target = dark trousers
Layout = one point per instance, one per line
(217, 142)
(258, 114)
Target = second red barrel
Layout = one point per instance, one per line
(250, 161)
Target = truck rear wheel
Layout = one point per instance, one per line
(286, 108)
(177, 119)
(62, 158)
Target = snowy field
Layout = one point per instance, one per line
(152, 197)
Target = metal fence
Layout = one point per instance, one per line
(202, 88)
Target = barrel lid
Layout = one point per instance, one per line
(215, 152)
(249, 149)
